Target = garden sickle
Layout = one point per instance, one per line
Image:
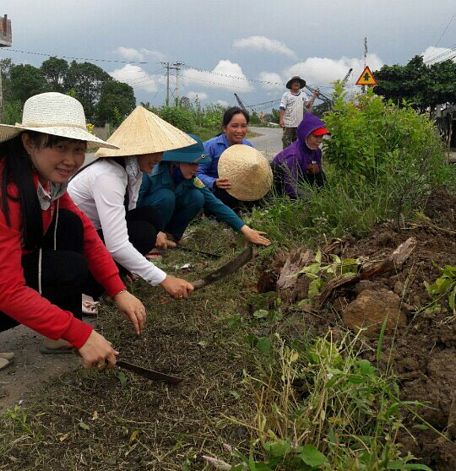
(230, 267)
(149, 374)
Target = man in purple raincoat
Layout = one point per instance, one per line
(301, 161)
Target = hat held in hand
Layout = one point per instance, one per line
(247, 170)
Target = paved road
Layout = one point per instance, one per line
(269, 140)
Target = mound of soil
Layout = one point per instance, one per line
(423, 351)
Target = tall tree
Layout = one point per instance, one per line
(116, 102)
(26, 81)
(85, 81)
(420, 84)
(55, 72)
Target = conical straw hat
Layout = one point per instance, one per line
(247, 170)
(143, 132)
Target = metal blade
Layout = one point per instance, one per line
(199, 252)
(149, 374)
(226, 269)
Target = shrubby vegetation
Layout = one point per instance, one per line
(382, 162)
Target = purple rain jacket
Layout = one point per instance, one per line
(293, 161)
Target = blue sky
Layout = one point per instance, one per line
(250, 47)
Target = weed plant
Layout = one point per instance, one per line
(324, 407)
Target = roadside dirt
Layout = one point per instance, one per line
(30, 368)
(423, 351)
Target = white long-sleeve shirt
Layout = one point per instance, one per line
(99, 191)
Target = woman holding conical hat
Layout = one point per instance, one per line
(237, 173)
(178, 195)
(48, 246)
(107, 191)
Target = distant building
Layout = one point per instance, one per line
(6, 35)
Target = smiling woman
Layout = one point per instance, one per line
(47, 246)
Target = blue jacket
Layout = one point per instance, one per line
(208, 172)
(164, 176)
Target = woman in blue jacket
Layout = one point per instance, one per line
(235, 125)
(178, 195)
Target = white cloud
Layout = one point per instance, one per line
(138, 55)
(273, 79)
(322, 71)
(436, 54)
(136, 77)
(222, 103)
(226, 74)
(262, 43)
(197, 95)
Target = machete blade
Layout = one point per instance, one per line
(149, 374)
(230, 267)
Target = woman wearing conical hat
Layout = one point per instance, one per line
(107, 191)
(47, 245)
(178, 195)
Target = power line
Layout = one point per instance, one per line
(445, 30)
(75, 58)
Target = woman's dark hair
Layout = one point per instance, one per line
(230, 112)
(18, 170)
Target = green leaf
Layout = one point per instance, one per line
(264, 345)
(277, 448)
(314, 288)
(261, 313)
(399, 464)
(83, 425)
(311, 456)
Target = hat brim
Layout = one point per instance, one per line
(190, 158)
(302, 82)
(8, 132)
(320, 132)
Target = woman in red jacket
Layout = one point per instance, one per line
(48, 246)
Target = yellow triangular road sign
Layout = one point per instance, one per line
(366, 77)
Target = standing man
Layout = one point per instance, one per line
(293, 105)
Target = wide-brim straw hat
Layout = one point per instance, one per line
(194, 154)
(143, 132)
(56, 114)
(296, 78)
(248, 171)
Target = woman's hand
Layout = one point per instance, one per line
(97, 351)
(223, 183)
(177, 287)
(162, 241)
(132, 308)
(255, 237)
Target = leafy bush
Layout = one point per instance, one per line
(382, 162)
(182, 118)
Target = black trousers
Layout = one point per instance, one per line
(142, 226)
(64, 269)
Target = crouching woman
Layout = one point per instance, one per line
(177, 195)
(47, 246)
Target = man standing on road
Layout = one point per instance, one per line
(293, 105)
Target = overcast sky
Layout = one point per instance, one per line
(250, 47)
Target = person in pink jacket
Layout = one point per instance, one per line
(48, 246)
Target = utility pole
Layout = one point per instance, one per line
(365, 60)
(6, 39)
(176, 66)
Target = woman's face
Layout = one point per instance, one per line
(58, 163)
(313, 142)
(147, 162)
(236, 129)
(188, 170)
